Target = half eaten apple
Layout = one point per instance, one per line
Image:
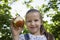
(19, 22)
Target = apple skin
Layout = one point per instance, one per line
(19, 22)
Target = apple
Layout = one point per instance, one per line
(19, 22)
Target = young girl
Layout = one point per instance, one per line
(35, 26)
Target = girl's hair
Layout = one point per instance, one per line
(42, 30)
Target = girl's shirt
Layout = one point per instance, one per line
(33, 37)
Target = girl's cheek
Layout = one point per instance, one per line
(28, 24)
(38, 24)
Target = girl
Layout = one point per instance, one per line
(35, 26)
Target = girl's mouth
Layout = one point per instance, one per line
(32, 27)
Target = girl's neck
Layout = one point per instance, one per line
(37, 33)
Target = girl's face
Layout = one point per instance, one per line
(33, 22)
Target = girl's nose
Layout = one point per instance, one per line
(32, 23)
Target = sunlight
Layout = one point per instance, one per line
(21, 9)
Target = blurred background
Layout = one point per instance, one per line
(50, 10)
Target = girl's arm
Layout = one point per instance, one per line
(15, 31)
(16, 37)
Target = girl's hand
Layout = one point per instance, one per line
(15, 30)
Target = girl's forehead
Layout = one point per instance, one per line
(33, 14)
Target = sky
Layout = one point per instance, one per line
(21, 9)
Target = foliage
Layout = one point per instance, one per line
(54, 27)
(5, 17)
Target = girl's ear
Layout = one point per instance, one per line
(41, 25)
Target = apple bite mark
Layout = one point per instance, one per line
(19, 22)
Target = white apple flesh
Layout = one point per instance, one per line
(19, 22)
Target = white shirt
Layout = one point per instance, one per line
(33, 37)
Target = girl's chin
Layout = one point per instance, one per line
(33, 31)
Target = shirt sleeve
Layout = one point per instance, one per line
(21, 37)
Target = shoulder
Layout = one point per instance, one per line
(21, 37)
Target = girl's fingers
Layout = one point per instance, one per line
(14, 27)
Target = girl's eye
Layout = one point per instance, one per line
(36, 20)
(28, 21)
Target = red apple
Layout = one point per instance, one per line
(19, 22)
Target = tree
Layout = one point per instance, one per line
(5, 33)
(55, 27)
(5, 17)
